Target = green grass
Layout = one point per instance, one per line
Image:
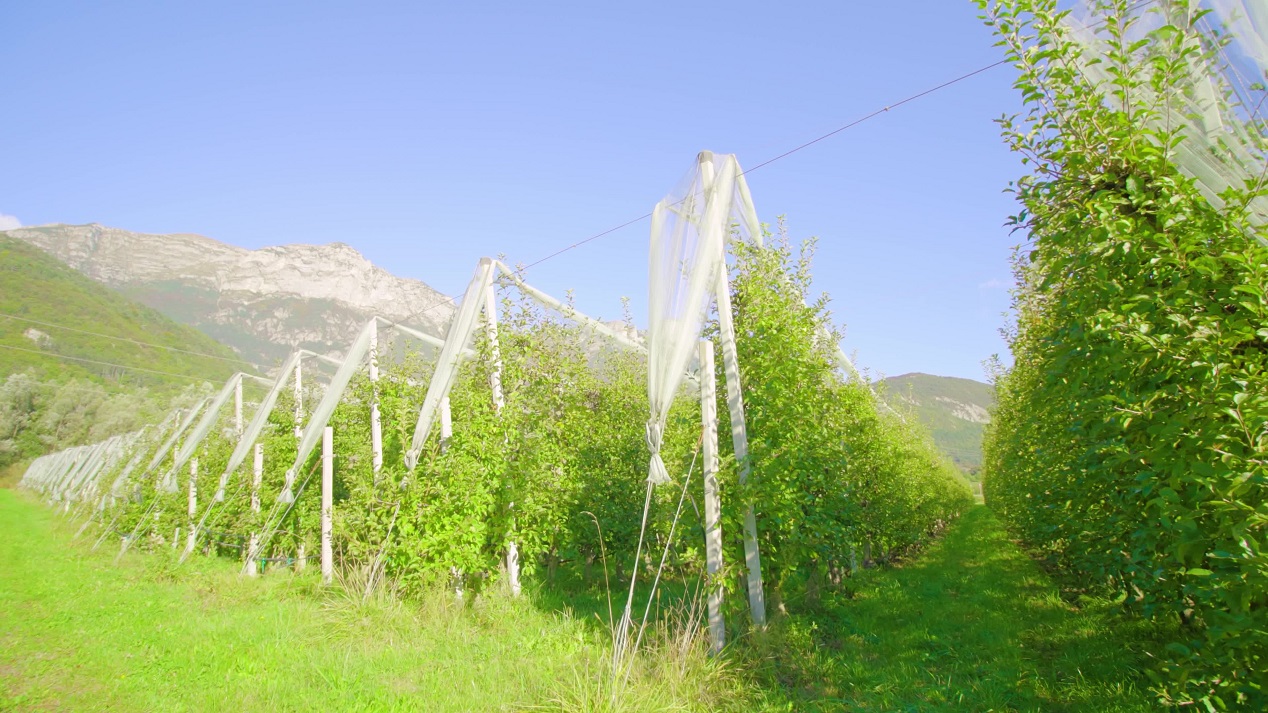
(80, 633)
(973, 625)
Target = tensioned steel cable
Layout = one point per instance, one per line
(812, 142)
(102, 363)
(127, 339)
(786, 154)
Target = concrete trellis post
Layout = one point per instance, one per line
(327, 504)
(193, 504)
(446, 423)
(712, 505)
(237, 408)
(491, 330)
(734, 394)
(257, 477)
(299, 398)
(376, 421)
(495, 384)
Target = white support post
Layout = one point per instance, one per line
(376, 422)
(299, 398)
(735, 405)
(301, 558)
(237, 407)
(712, 504)
(252, 566)
(446, 423)
(495, 383)
(193, 505)
(491, 330)
(327, 504)
(257, 477)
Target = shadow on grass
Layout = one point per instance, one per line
(973, 624)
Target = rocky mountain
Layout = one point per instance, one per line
(262, 303)
(954, 410)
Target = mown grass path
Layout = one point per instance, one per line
(971, 625)
(78, 633)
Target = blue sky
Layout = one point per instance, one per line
(428, 134)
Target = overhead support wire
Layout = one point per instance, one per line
(129, 340)
(103, 363)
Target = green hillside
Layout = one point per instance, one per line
(954, 410)
(75, 357)
(36, 286)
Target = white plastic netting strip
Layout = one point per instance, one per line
(320, 416)
(167, 446)
(687, 256)
(1220, 100)
(258, 422)
(457, 339)
(205, 424)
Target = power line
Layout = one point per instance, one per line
(877, 113)
(834, 132)
(101, 363)
(812, 142)
(126, 339)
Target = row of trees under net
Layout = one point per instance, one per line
(518, 445)
(1128, 444)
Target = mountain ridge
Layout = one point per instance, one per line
(264, 303)
(954, 409)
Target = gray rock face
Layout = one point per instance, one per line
(263, 303)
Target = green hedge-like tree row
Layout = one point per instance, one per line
(1129, 438)
(831, 476)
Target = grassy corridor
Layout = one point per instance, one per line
(78, 633)
(973, 625)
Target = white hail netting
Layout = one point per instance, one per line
(171, 441)
(210, 416)
(104, 459)
(686, 268)
(73, 474)
(117, 489)
(620, 336)
(1223, 98)
(330, 400)
(461, 329)
(420, 336)
(258, 422)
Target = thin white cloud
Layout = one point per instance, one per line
(8, 222)
(993, 284)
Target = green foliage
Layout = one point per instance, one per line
(559, 466)
(832, 473)
(49, 402)
(1129, 439)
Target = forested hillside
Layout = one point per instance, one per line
(80, 362)
(955, 411)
